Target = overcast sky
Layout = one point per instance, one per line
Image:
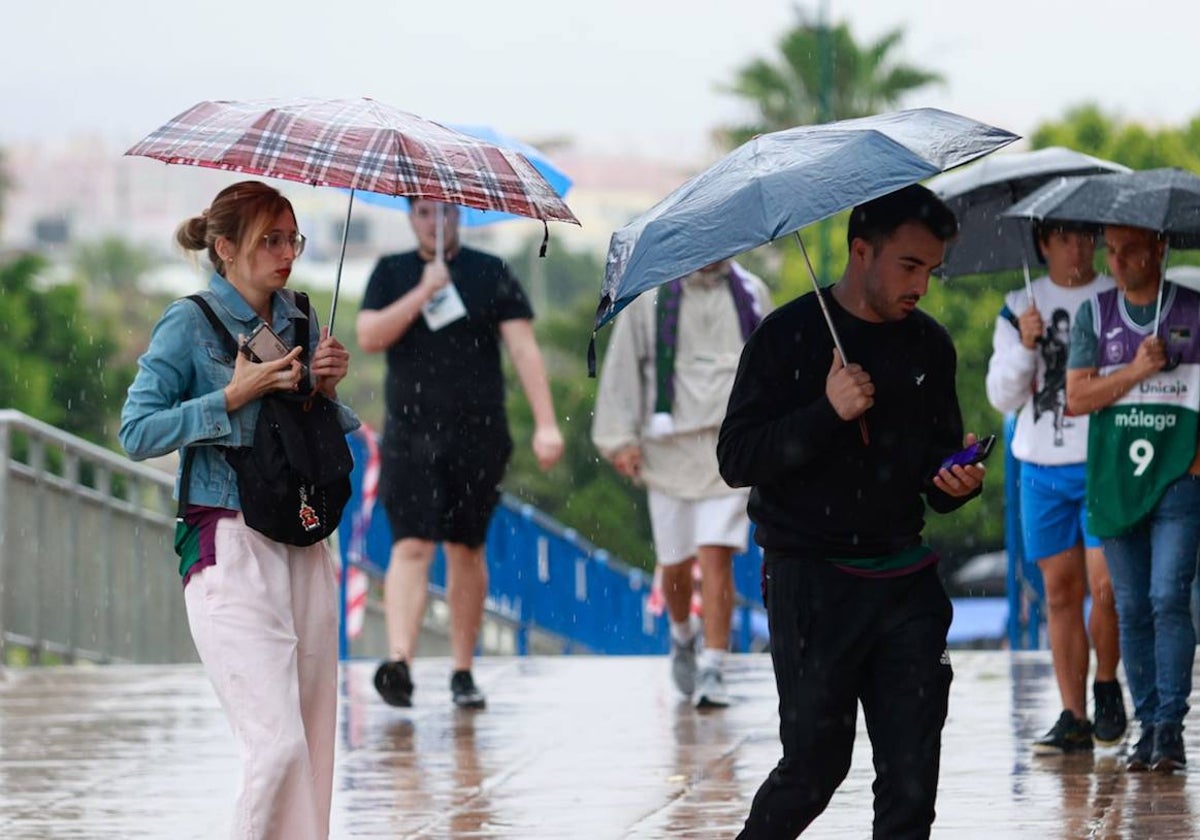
(622, 76)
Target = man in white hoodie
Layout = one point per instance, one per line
(1027, 374)
(663, 391)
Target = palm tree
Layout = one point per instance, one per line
(787, 90)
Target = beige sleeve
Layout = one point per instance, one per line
(620, 411)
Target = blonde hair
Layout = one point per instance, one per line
(241, 213)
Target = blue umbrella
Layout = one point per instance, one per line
(469, 216)
(776, 184)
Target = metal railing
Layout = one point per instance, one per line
(87, 562)
(88, 570)
(86, 542)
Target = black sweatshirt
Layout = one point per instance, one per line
(817, 490)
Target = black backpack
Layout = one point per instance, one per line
(294, 480)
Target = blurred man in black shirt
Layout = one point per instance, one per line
(440, 318)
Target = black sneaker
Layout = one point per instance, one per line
(1068, 735)
(1111, 723)
(1143, 752)
(464, 692)
(394, 684)
(1168, 748)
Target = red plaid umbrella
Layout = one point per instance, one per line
(357, 144)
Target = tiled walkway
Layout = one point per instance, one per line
(568, 748)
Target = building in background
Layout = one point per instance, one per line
(84, 189)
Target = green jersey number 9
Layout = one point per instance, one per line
(1141, 452)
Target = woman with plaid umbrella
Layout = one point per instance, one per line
(263, 614)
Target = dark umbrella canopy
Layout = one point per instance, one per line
(979, 194)
(780, 182)
(1162, 200)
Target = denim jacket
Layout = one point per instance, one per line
(177, 398)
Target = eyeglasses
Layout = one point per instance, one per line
(275, 241)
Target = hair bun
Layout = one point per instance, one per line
(193, 233)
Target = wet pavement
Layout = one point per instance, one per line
(569, 747)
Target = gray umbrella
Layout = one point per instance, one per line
(980, 193)
(1163, 200)
(779, 182)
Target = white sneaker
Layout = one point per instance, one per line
(683, 665)
(710, 690)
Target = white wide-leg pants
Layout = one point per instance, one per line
(264, 621)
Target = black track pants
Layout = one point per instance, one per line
(837, 640)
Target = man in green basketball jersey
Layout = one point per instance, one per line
(1135, 368)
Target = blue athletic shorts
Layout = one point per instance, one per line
(1053, 510)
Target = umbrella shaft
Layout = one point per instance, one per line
(440, 233)
(1162, 281)
(837, 341)
(337, 282)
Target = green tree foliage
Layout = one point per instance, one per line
(822, 74)
(56, 359)
(112, 263)
(5, 185)
(583, 491)
(967, 307)
(1089, 129)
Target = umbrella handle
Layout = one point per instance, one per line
(1028, 283)
(837, 341)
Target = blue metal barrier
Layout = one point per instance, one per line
(1026, 592)
(546, 578)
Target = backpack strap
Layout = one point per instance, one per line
(220, 329)
(300, 328)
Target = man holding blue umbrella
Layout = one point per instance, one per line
(857, 611)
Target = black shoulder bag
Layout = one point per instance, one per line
(294, 479)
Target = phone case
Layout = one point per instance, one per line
(973, 454)
(264, 345)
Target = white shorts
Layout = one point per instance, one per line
(681, 526)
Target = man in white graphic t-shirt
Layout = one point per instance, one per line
(1027, 374)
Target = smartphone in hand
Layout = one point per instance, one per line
(973, 454)
(264, 345)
